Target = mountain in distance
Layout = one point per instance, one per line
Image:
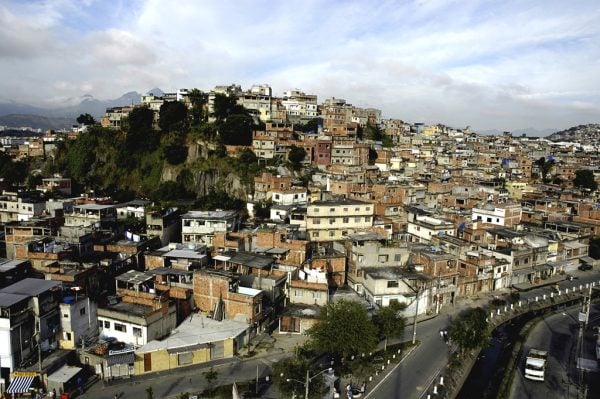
(530, 132)
(16, 115)
(37, 121)
(583, 134)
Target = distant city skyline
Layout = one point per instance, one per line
(507, 65)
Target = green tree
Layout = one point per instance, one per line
(172, 116)
(237, 130)
(217, 198)
(175, 153)
(390, 322)
(171, 191)
(199, 100)
(296, 156)
(310, 126)
(470, 331)
(545, 167)
(86, 119)
(13, 172)
(373, 132)
(295, 370)
(223, 105)
(342, 329)
(140, 119)
(140, 135)
(584, 179)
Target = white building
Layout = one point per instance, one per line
(135, 324)
(201, 226)
(422, 228)
(79, 321)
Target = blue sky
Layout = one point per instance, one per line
(503, 65)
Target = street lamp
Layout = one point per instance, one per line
(306, 383)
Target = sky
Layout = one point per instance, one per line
(505, 65)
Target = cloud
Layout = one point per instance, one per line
(487, 64)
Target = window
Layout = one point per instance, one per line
(65, 315)
(345, 209)
(137, 332)
(397, 257)
(361, 258)
(317, 221)
(331, 233)
(81, 311)
(317, 210)
(315, 234)
(392, 283)
(356, 220)
(331, 209)
(297, 292)
(367, 218)
(257, 308)
(356, 209)
(332, 221)
(383, 258)
(346, 220)
(489, 220)
(67, 336)
(316, 295)
(106, 324)
(120, 327)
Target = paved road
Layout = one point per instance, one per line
(558, 335)
(408, 381)
(412, 377)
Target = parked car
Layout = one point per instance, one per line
(585, 266)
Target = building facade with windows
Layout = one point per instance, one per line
(334, 220)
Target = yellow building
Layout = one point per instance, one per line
(515, 189)
(196, 340)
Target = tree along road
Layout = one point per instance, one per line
(413, 376)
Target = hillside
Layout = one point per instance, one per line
(583, 134)
(37, 121)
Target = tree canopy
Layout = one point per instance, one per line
(390, 322)
(584, 179)
(470, 331)
(86, 119)
(13, 172)
(173, 116)
(295, 371)
(223, 105)
(545, 168)
(343, 328)
(296, 156)
(237, 130)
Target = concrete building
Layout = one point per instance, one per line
(333, 220)
(201, 226)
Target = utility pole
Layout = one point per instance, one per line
(584, 315)
(414, 337)
(306, 384)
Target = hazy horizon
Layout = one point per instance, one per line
(503, 66)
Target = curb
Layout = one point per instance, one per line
(390, 371)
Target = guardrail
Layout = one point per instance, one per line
(444, 384)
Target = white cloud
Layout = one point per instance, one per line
(502, 65)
